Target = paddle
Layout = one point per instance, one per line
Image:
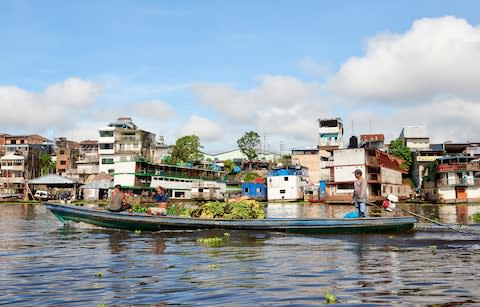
(423, 217)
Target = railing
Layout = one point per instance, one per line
(458, 181)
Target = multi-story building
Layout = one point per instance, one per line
(87, 163)
(123, 141)
(12, 173)
(161, 150)
(181, 182)
(310, 158)
(372, 141)
(453, 179)
(330, 134)
(415, 138)
(66, 156)
(29, 149)
(3, 149)
(381, 170)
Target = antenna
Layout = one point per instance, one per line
(353, 128)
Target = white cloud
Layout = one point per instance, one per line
(154, 109)
(311, 67)
(435, 58)
(281, 107)
(202, 127)
(58, 107)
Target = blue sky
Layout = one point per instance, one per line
(221, 68)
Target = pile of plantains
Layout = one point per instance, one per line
(244, 209)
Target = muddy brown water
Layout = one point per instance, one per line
(43, 262)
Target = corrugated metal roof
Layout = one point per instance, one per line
(51, 179)
(98, 184)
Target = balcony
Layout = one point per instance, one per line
(458, 181)
(20, 180)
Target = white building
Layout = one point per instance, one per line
(415, 138)
(181, 182)
(330, 133)
(381, 170)
(287, 184)
(123, 141)
(12, 173)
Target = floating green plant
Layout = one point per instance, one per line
(226, 234)
(99, 274)
(138, 231)
(211, 242)
(475, 217)
(433, 248)
(212, 267)
(330, 298)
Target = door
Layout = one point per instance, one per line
(461, 193)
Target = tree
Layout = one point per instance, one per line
(248, 144)
(186, 150)
(47, 165)
(228, 166)
(397, 148)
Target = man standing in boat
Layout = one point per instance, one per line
(360, 193)
(119, 201)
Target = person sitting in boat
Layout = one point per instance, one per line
(119, 201)
(160, 196)
(360, 193)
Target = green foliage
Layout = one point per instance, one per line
(285, 159)
(186, 150)
(228, 166)
(397, 148)
(47, 165)
(99, 274)
(330, 298)
(139, 209)
(250, 177)
(211, 242)
(476, 217)
(248, 144)
(178, 210)
(244, 209)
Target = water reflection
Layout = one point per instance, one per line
(49, 264)
(444, 213)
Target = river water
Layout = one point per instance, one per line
(43, 262)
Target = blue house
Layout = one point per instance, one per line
(254, 190)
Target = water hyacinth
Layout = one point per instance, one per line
(244, 209)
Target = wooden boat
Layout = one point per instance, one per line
(136, 221)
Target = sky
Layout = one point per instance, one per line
(218, 69)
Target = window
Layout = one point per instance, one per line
(107, 161)
(259, 190)
(63, 162)
(106, 134)
(246, 190)
(105, 146)
(282, 191)
(62, 152)
(22, 141)
(285, 178)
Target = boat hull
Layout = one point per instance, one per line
(107, 219)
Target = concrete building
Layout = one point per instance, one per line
(123, 141)
(66, 153)
(381, 170)
(453, 179)
(330, 134)
(87, 163)
(372, 141)
(415, 138)
(12, 173)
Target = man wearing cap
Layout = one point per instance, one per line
(360, 193)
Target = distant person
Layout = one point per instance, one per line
(119, 201)
(160, 196)
(360, 193)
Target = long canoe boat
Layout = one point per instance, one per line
(137, 221)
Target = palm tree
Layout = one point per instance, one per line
(47, 166)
